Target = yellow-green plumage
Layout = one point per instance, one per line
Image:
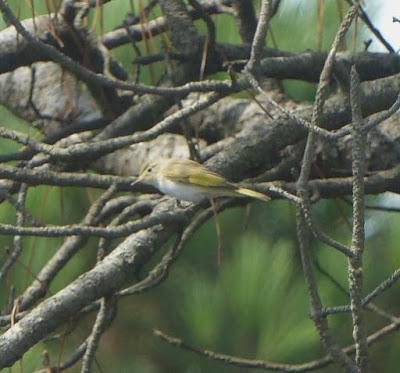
(187, 171)
(189, 180)
(252, 193)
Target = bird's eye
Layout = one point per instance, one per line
(149, 169)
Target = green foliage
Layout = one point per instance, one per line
(255, 305)
(12, 122)
(242, 315)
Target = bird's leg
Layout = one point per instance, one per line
(220, 250)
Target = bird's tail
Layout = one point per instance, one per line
(252, 193)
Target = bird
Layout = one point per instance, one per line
(190, 181)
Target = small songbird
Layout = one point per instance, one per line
(190, 181)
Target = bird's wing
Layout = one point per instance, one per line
(196, 174)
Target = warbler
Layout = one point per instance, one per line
(190, 181)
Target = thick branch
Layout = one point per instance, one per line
(108, 276)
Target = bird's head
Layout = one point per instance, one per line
(149, 173)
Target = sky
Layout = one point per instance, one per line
(382, 16)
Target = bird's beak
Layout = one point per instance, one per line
(137, 181)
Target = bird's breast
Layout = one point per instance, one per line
(181, 191)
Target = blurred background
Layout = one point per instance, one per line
(255, 304)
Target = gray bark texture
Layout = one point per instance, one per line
(88, 114)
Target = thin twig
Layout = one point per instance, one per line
(382, 286)
(160, 271)
(267, 365)
(107, 307)
(65, 252)
(374, 30)
(90, 77)
(208, 21)
(355, 271)
(316, 307)
(96, 149)
(346, 308)
(17, 247)
(259, 37)
(246, 19)
(238, 361)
